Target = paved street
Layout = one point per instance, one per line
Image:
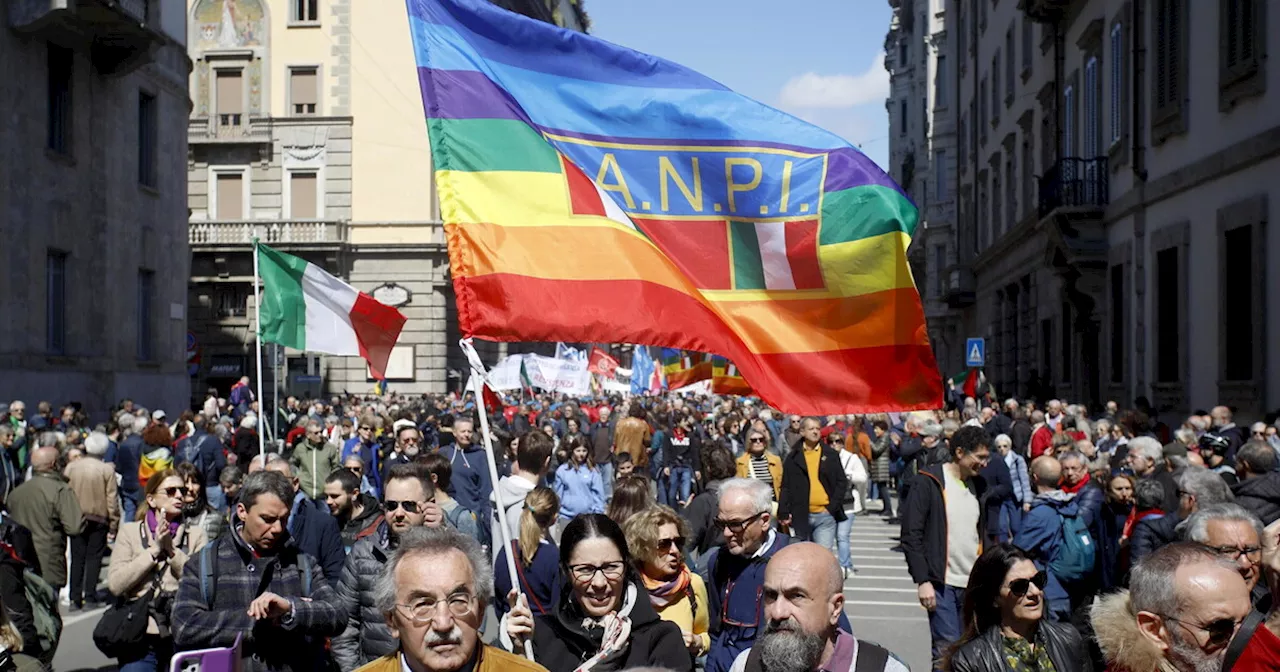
(881, 598)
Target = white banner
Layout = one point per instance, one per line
(616, 386)
(560, 375)
(505, 375)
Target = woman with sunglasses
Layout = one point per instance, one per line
(1005, 629)
(759, 463)
(658, 537)
(603, 619)
(151, 553)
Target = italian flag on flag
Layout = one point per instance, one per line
(305, 308)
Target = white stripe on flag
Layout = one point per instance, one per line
(329, 302)
(611, 209)
(773, 255)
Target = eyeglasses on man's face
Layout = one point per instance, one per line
(736, 526)
(1233, 553)
(422, 611)
(1220, 631)
(587, 573)
(409, 505)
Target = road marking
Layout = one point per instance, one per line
(84, 616)
(886, 558)
(860, 603)
(864, 589)
(868, 577)
(868, 617)
(862, 567)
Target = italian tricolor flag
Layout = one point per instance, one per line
(305, 308)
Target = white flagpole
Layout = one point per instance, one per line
(257, 322)
(479, 374)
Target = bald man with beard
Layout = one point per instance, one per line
(803, 600)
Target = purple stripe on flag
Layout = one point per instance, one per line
(465, 94)
(848, 168)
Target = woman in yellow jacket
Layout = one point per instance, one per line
(657, 538)
(152, 551)
(759, 463)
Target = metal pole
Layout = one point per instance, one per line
(257, 327)
(275, 388)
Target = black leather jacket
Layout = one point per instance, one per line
(985, 653)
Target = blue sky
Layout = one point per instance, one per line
(821, 60)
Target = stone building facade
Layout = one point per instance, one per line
(307, 131)
(1116, 178)
(93, 203)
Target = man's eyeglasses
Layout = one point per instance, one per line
(355, 470)
(409, 505)
(175, 491)
(411, 442)
(1233, 553)
(756, 439)
(586, 573)
(665, 545)
(1220, 631)
(1019, 587)
(422, 611)
(736, 526)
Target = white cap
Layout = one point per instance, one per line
(157, 415)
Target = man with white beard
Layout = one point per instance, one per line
(433, 592)
(803, 599)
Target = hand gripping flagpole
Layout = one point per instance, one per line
(478, 373)
(257, 322)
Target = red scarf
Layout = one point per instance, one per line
(1075, 489)
(1136, 516)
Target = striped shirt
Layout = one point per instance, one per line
(760, 469)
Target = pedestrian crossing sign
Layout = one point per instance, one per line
(975, 352)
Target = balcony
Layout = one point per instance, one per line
(1045, 11)
(307, 233)
(961, 287)
(1080, 186)
(229, 129)
(118, 34)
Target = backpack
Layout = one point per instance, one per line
(44, 608)
(1075, 555)
(209, 579)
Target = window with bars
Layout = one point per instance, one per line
(232, 300)
(303, 90)
(1117, 82)
(1092, 109)
(55, 302)
(1241, 47)
(304, 11)
(1008, 67)
(1169, 76)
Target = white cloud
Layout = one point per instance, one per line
(812, 90)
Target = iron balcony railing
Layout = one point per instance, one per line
(1075, 183)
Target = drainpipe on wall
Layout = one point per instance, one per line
(1140, 212)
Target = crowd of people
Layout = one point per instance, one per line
(645, 533)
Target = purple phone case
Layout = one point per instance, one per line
(208, 660)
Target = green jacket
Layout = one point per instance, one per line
(48, 507)
(313, 464)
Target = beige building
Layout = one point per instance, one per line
(93, 202)
(1117, 170)
(307, 130)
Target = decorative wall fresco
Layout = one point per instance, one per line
(229, 24)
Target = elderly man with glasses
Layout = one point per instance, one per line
(410, 503)
(1235, 534)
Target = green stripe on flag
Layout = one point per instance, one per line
(865, 212)
(284, 310)
(748, 269)
(473, 145)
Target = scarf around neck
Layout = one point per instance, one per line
(152, 523)
(663, 594)
(610, 633)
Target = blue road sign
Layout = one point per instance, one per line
(975, 352)
(303, 379)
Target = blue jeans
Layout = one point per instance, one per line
(217, 499)
(679, 484)
(156, 658)
(946, 621)
(843, 529)
(606, 476)
(129, 508)
(822, 530)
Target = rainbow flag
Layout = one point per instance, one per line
(685, 367)
(594, 193)
(727, 379)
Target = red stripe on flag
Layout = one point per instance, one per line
(802, 253)
(583, 197)
(869, 380)
(377, 328)
(700, 248)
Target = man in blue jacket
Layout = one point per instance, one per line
(1041, 533)
(204, 450)
(364, 446)
(470, 484)
(127, 460)
(313, 530)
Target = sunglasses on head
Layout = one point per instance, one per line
(1019, 587)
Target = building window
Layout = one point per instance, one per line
(1011, 193)
(304, 11)
(302, 196)
(1069, 122)
(61, 70)
(939, 269)
(940, 175)
(1240, 283)
(902, 117)
(1008, 67)
(55, 302)
(1117, 291)
(940, 82)
(1117, 82)
(1168, 316)
(231, 300)
(303, 87)
(1169, 74)
(146, 298)
(902, 52)
(995, 89)
(148, 138)
(1027, 39)
(1092, 109)
(229, 197)
(1241, 47)
(230, 97)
